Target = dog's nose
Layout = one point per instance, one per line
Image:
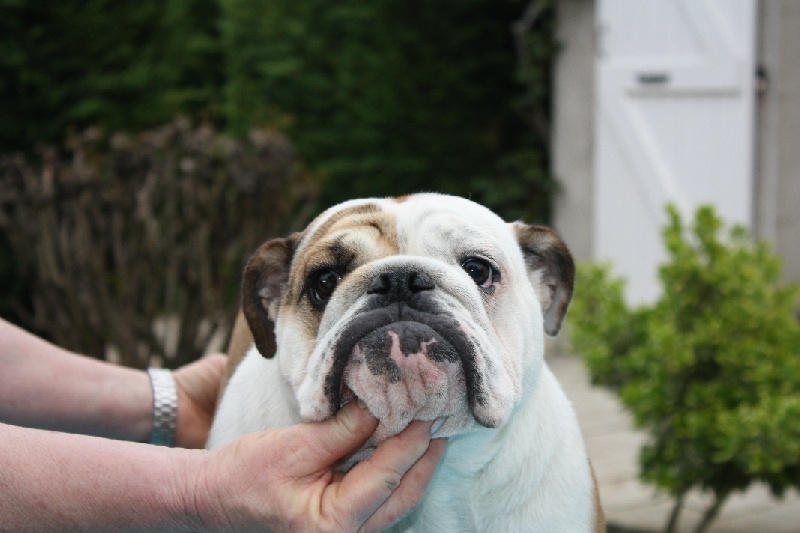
(401, 284)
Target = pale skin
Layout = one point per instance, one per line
(279, 480)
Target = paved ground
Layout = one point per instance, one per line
(613, 446)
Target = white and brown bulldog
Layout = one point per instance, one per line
(425, 307)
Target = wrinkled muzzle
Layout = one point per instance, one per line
(410, 352)
(405, 365)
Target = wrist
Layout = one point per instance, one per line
(191, 490)
(125, 404)
(200, 498)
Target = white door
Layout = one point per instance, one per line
(674, 122)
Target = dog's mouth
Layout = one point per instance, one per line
(405, 371)
(346, 395)
(401, 372)
(379, 337)
(405, 365)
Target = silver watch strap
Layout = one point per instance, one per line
(165, 406)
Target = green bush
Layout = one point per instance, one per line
(391, 96)
(711, 370)
(72, 64)
(380, 98)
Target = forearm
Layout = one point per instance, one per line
(44, 386)
(59, 482)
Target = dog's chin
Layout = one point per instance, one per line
(442, 427)
(405, 372)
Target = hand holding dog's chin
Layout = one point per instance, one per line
(284, 480)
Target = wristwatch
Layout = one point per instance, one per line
(165, 406)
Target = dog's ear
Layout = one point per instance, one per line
(263, 284)
(550, 269)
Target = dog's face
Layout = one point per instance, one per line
(424, 307)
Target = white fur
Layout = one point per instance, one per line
(530, 474)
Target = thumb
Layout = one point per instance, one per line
(337, 437)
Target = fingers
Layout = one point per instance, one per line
(198, 388)
(200, 381)
(297, 468)
(323, 444)
(392, 480)
(411, 489)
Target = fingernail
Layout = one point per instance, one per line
(361, 404)
(437, 425)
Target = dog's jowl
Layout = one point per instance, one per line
(428, 307)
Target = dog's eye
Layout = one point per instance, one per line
(482, 272)
(321, 286)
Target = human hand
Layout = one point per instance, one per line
(198, 387)
(284, 480)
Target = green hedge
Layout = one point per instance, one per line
(391, 96)
(68, 65)
(380, 98)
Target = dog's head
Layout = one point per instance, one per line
(424, 307)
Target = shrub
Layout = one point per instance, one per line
(72, 64)
(379, 98)
(122, 232)
(390, 96)
(711, 370)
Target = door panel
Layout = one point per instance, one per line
(675, 118)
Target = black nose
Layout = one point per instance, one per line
(401, 284)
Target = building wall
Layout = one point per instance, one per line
(777, 172)
(777, 189)
(573, 125)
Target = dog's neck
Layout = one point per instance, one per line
(477, 466)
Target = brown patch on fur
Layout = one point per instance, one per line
(264, 284)
(324, 227)
(241, 340)
(337, 242)
(599, 515)
(349, 239)
(544, 251)
(402, 199)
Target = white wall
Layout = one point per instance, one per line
(777, 172)
(573, 125)
(778, 167)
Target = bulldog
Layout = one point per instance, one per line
(425, 307)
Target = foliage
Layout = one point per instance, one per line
(389, 97)
(380, 98)
(126, 231)
(711, 370)
(68, 65)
